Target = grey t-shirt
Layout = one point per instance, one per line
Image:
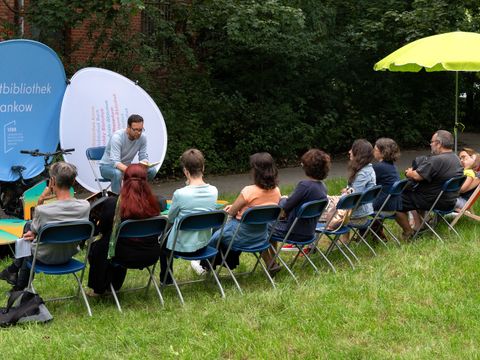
(120, 149)
(435, 170)
(60, 210)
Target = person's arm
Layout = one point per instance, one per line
(237, 205)
(116, 153)
(47, 193)
(295, 198)
(413, 175)
(142, 152)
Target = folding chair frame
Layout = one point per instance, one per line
(204, 220)
(368, 197)
(142, 228)
(452, 185)
(396, 189)
(349, 203)
(49, 234)
(467, 209)
(308, 210)
(94, 155)
(267, 214)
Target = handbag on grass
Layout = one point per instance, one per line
(333, 218)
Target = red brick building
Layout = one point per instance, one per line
(76, 46)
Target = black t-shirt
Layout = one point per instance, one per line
(435, 170)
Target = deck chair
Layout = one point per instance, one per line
(368, 197)
(467, 209)
(205, 220)
(60, 233)
(348, 203)
(452, 185)
(308, 210)
(396, 189)
(154, 226)
(94, 155)
(260, 216)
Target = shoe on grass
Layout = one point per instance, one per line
(199, 269)
(9, 277)
(289, 247)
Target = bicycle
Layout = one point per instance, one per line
(17, 198)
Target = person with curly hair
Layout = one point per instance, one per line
(316, 165)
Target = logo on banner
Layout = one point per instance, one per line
(32, 84)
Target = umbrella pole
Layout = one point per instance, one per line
(455, 128)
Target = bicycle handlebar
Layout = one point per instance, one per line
(37, 152)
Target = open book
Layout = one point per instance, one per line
(149, 164)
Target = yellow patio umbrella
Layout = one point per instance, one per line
(454, 51)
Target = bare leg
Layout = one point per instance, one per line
(402, 219)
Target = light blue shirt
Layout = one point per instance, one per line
(120, 149)
(364, 180)
(188, 200)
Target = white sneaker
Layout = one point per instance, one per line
(199, 269)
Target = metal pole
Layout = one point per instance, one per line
(455, 128)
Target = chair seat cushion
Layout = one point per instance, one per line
(70, 267)
(342, 230)
(205, 253)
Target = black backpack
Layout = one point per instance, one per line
(24, 306)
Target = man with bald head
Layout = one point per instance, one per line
(429, 176)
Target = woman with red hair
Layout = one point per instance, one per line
(136, 201)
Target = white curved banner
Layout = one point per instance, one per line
(97, 102)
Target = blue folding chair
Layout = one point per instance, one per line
(347, 203)
(258, 216)
(396, 189)
(308, 210)
(154, 226)
(205, 220)
(61, 233)
(94, 155)
(368, 197)
(452, 185)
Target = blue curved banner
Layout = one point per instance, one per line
(32, 85)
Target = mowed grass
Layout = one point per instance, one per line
(418, 301)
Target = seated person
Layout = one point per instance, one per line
(122, 147)
(386, 152)
(264, 191)
(65, 208)
(315, 164)
(470, 160)
(429, 176)
(136, 201)
(361, 177)
(196, 196)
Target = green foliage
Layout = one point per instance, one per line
(237, 76)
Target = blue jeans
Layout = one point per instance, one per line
(115, 176)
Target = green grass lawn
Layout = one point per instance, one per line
(418, 301)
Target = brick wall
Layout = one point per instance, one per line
(72, 36)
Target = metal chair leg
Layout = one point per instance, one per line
(114, 294)
(84, 296)
(212, 271)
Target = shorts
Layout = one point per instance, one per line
(412, 200)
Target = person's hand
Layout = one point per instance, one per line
(408, 172)
(227, 208)
(46, 194)
(29, 235)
